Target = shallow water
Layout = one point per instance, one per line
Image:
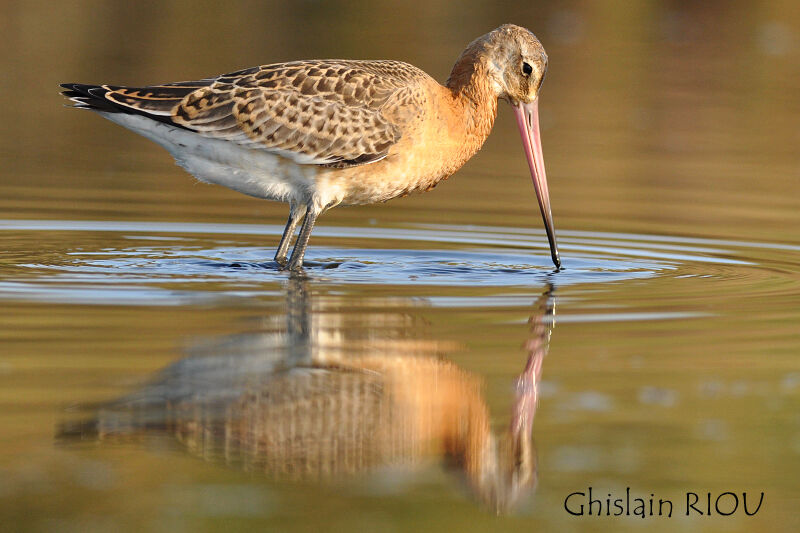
(158, 372)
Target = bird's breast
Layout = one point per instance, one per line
(432, 147)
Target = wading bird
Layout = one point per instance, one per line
(322, 133)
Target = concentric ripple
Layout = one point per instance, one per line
(180, 263)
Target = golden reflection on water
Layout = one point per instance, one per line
(309, 402)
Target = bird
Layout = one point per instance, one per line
(322, 133)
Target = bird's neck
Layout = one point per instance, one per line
(474, 92)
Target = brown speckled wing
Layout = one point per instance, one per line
(336, 113)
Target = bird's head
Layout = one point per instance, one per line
(516, 62)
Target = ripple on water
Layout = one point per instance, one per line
(167, 264)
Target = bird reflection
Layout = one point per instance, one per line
(322, 398)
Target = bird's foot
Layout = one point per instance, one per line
(293, 265)
(281, 260)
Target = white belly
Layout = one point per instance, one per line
(253, 172)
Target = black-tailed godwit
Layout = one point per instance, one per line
(322, 133)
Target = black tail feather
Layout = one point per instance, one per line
(151, 101)
(89, 97)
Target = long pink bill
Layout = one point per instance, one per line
(528, 122)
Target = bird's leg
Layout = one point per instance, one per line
(296, 262)
(295, 214)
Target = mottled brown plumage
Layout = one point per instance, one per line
(334, 113)
(322, 133)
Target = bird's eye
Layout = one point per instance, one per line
(527, 69)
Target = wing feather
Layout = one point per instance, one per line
(336, 113)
